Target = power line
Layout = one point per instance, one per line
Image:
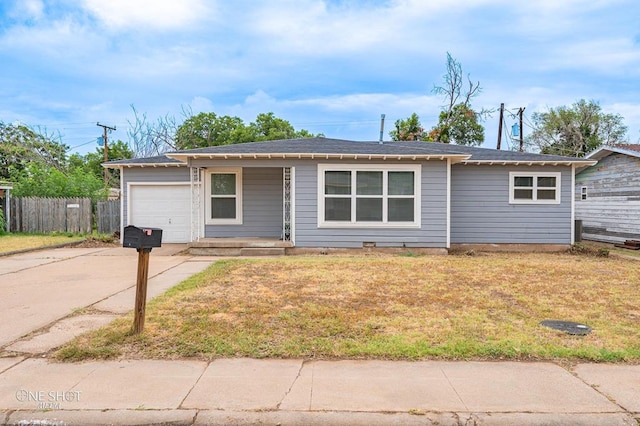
(82, 144)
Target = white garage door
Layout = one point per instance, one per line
(162, 206)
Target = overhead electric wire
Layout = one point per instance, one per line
(83, 144)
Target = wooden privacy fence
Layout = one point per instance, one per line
(108, 216)
(44, 215)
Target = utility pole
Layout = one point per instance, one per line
(520, 113)
(106, 148)
(500, 125)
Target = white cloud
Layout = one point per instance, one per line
(59, 39)
(27, 10)
(148, 14)
(605, 55)
(200, 104)
(312, 27)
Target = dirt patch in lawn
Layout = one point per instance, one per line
(96, 242)
(445, 307)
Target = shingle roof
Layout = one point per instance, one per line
(632, 150)
(628, 146)
(337, 147)
(160, 160)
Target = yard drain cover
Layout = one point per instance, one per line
(568, 327)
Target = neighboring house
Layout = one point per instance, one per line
(608, 194)
(333, 193)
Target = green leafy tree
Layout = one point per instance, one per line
(268, 127)
(92, 162)
(21, 146)
(209, 129)
(408, 130)
(39, 167)
(576, 130)
(460, 127)
(38, 180)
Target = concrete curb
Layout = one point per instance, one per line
(99, 418)
(283, 418)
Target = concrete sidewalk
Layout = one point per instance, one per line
(292, 392)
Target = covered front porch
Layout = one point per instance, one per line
(241, 211)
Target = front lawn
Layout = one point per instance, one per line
(390, 307)
(17, 242)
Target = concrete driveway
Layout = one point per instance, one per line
(39, 289)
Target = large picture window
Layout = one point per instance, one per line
(224, 197)
(368, 196)
(534, 188)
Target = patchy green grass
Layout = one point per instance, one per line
(611, 248)
(16, 242)
(449, 307)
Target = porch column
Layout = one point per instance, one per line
(286, 203)
(196, 207)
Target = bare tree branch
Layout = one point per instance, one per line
(151, 139)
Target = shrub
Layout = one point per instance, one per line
(580, 249)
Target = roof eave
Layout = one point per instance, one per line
(530, 162)
(131, 165)
(313, 156)
(605, 151)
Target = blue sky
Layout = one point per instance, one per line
(326, 66)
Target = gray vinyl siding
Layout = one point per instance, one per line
(481, 213)
(611, 212)
(151, 175)
(261, 206)
(433, 232)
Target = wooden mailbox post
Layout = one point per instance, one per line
(143, 240)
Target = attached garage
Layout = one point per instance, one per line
(166, 206)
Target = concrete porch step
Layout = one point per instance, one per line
(237, 251)
(239, 247)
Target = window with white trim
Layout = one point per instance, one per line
(224, 196)
(368, 196)
(583, 193)
(534, 188)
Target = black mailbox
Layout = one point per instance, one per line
(141, 238)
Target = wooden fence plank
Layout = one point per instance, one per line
(108, 216)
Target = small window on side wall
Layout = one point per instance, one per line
(534, 188)
(583, 193)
